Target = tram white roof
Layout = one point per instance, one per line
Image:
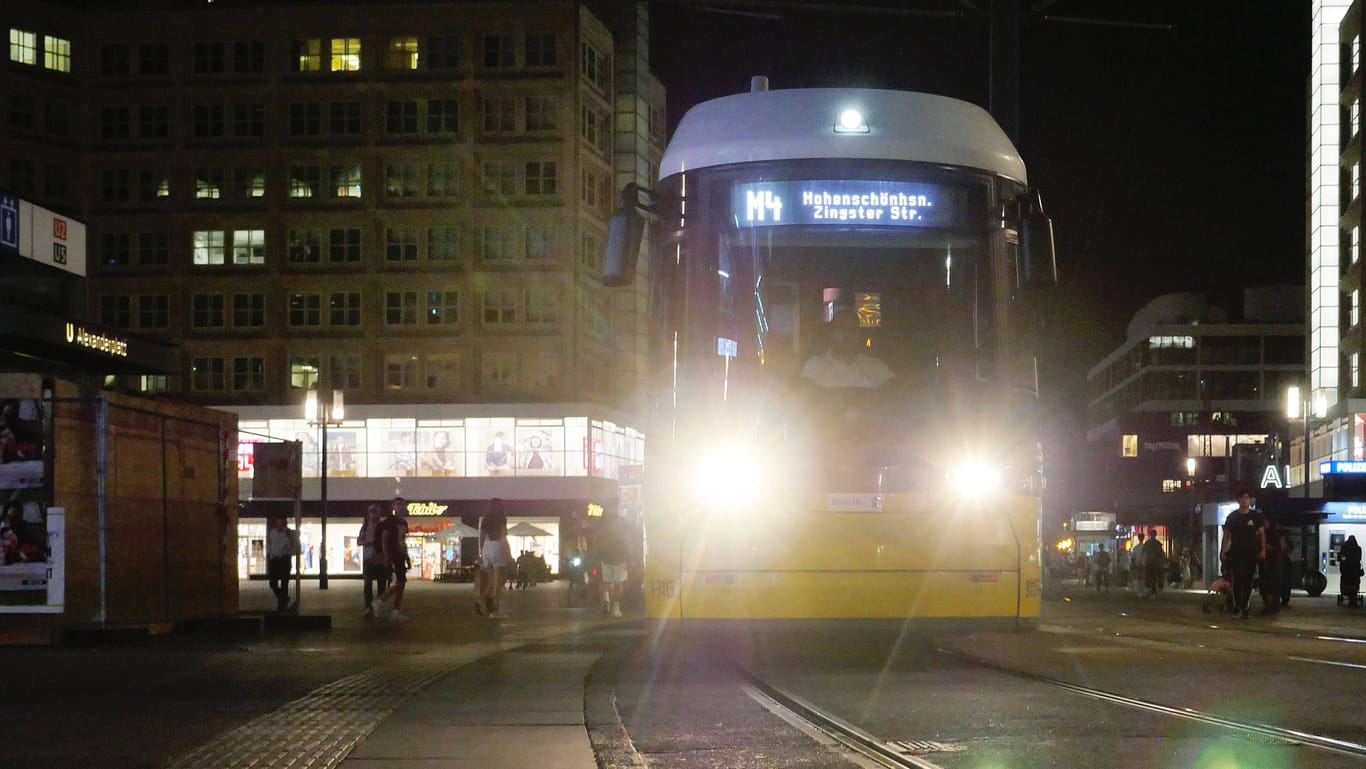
(799, 123)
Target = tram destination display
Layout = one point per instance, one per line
(846, 202)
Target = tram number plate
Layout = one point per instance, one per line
(663, 588)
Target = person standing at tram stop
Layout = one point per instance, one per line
(1244, 545)
(494, 560)
(1100, 564)
(375, 570)
(282, 546)
(1136, 566)
(1154, 564)
(390, 536)
(1270, 568)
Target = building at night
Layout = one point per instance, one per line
(1189, 408)
(402, 204)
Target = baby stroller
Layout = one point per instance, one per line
(1349, 591)
(1219, 596)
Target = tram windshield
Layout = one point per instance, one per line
(856, 352)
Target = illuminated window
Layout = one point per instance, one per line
(248, 246)
(303, 372)
(208, 184)
(402, 54)
(1354, 251)
(248, 183)
(1169, 486)
(154, 383)
(1354, 307)
(153, 186)
(400, 371)
(1354, 364)
(306, 55)
(346, 181)
(1129, 446)
(209, 247)
(56, 53)
(304, 181)
(345, 54)
(596, 68)
(401, 181)
(23, 46)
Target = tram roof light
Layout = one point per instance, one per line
(851, 122)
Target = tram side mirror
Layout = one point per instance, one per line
(1038, 265)
(625, 230)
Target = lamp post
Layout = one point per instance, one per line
(330, 414)
(1297, 407)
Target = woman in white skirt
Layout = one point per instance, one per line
(494, 559)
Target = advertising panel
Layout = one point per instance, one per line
(24, 567)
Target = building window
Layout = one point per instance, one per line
(1129, 446)
(540, 177)
(498, 51)
(305, 310)
(23, 46)
(400, 308)
(500, 178)
(343, 245)
(1354, 247)
(305, 247)
(496, 370)
(206, 311)
(248, 246)
(303, 371)
(540, 50)
(400, 245)
(56, 53)
(500, 115)
(590, 253)
(154, 121)
(594, 127)
(344, 371)
(210, 246)
(114, 312)
(114, 185)
(154, 311)
(115, 60)
(154, 383)
(346, 181)
(443, 52)
(541, 306)
(248, 120)
(345, 54)
(304, 181)
(249, 57)
(305, 119)
(206, 374)
(538, 244)
(115, 123)
(248, 374)
(402, 54)
(208, 121)
(208, 59)
(1354, 307)
(115, 249)
(154, 249)
(306, 55)
(495, 245)
(442, 371)
(541, 112)
(443, 180)
(153, 186)
(443, 307)
(208, 184)
(248, 310)
(400, 371)
(400, 117)
(500, 307)
(443, 116)
(543, 371)
(596, 68)
(343, 308)
(443, 244)
(248, 183)
(401, 181)
(344, 118)
(1354, 364)
(154, 59)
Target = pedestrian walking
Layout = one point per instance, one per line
(390, 535)
(495, 560)
(614, 548)
(1244, 545)
(375, 571)
(282, 546)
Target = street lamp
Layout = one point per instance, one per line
(1296, 407)
(331, 414)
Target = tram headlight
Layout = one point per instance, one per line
(975, 478)
(728, 477)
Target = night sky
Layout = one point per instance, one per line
(1171, 159)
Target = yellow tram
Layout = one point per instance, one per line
(841, 397)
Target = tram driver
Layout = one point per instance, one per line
(845, 360)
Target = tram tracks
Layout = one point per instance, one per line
(869, 750)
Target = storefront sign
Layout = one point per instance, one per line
(426, 509)
(594, 510)
(1343, 467)
(1271, 478)
(105, 343)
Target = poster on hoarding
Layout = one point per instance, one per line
(24, 568)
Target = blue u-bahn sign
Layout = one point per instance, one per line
(9, 222)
